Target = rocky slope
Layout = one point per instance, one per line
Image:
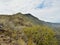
(11, 24)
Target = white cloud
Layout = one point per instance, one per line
(51, 13)
(17, 5)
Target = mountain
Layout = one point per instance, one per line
(12, 24)
(20, 19)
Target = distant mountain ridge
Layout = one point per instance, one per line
(35, 20)
(43, 22)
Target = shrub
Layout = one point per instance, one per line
(41, 35)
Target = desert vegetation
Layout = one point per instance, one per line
(20, 29)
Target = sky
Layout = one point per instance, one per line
(46, 10)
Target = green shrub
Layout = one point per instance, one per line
(41, 35)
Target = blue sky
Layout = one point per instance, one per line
(47, 10)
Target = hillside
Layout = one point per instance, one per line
(16, 30)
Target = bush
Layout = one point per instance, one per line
(41, 35)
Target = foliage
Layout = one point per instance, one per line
(41, 35)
